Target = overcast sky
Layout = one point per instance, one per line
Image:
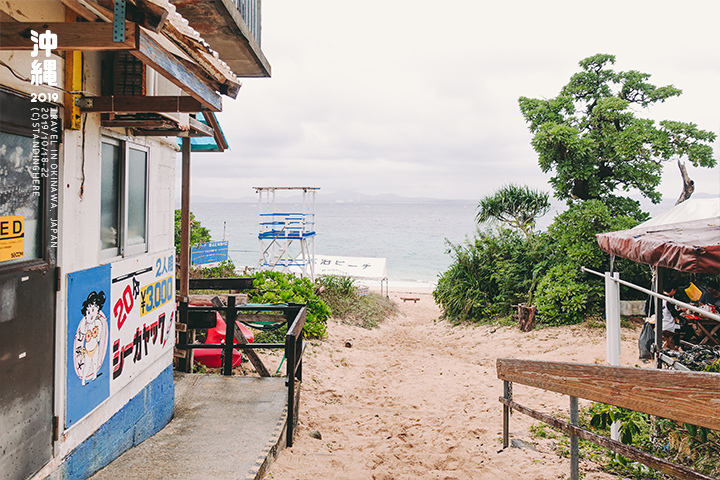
(419, 98)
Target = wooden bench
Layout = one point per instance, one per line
(407, 299)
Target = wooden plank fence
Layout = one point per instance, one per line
(687, 397)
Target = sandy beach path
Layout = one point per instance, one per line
(417, 399)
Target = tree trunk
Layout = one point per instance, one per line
(688, 184)
(526, 316)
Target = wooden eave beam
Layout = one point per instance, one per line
(141, 104)
(197, 129)
(142, 12)
(198, 52)
(98, 36)
(93, 36)
(153, 17)
(154, 55)
(212, 120)
(140, 123)
(88, 10)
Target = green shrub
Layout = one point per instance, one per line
(278, 287)
(695, 447)
(573, 234)
(337, 284)
(224, 269)
(490, 274)
(564, 294)
(563, 298)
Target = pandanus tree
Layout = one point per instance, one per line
(519, 206)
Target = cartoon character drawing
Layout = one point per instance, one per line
(91, 338)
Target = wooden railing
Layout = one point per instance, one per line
(294, 348)
(687, 397)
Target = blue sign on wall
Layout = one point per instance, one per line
(211, 252)
(88, 370)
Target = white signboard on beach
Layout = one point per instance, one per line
(356, 267)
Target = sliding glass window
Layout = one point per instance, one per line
(123, 211)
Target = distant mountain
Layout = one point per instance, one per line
(322, 197)
(206, 199)
(354, 197)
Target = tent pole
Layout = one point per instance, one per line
(612, 330)
(658, 315)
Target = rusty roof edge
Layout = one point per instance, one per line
(178, 29)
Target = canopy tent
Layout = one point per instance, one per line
(693, 209)
(684, 238)
(692, 246)
(666, 241)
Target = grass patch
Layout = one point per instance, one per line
(694, 447)
(366, 311)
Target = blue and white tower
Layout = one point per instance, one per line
(287, 236)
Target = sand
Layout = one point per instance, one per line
(417, 398)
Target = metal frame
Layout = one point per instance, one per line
(612, 283)
(287, 240)
(119, 9)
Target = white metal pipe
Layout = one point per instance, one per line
(687, 306)
(612, 316)
(612, 330)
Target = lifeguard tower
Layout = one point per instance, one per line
(287, 238)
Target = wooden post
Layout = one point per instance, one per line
(185, 364)
(240, 337)
(507, 394)
(658, 316)
(526, 317)
(230, 313)
(574, 453)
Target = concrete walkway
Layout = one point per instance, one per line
(223, 428)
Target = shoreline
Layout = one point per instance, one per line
(419, 288)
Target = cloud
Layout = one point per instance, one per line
(420, 98)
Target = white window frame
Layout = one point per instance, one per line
(123, 249)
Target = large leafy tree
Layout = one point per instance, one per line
(593, 139)
(198, 233)
(516, 205)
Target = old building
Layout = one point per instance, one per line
(93, 94)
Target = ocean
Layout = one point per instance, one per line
(411, 236)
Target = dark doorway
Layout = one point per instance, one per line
(29, 147)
